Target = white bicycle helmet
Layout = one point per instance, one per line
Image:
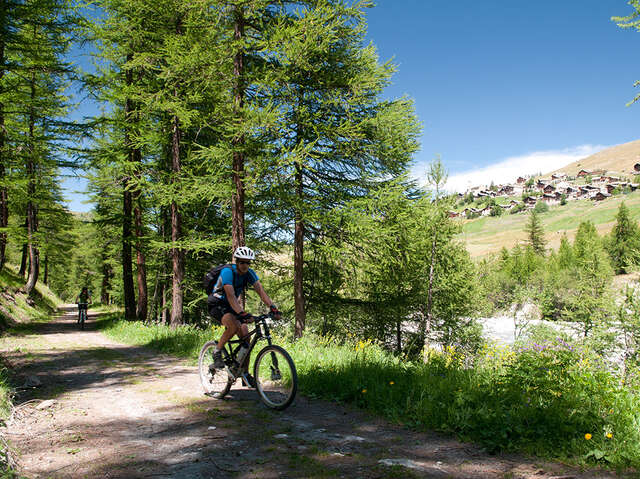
(244, 252)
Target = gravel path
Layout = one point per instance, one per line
(99, 409)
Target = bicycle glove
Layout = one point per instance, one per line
(244, 317)
(275, 313)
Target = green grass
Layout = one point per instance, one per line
(489, 234)
(184, 341)
(537, 401)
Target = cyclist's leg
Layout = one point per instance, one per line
(232, 326)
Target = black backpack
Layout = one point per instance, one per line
(211, 277)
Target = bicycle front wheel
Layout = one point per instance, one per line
(215, 382)
(276, 377)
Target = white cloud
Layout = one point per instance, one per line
(508, 170)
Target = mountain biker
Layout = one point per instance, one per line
(83, 299)
(224, 305)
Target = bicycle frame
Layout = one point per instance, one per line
(261, 331)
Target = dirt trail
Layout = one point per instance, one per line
(126, 412)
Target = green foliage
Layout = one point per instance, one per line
(624, 242)
(496, 211)
(535, 232)
(541, 207)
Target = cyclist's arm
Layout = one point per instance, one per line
(257, 286)
(231, 297)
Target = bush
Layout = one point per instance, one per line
(541, 207)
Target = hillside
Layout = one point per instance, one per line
(487, 235)
(619, 158)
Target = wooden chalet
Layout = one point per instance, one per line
(600, 195)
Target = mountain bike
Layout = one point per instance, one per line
(82, 310)
(274, 372)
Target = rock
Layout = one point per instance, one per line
(45, 404)
(409, 464)
(32, 382)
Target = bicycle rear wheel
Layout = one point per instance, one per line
(215, 382)
(276, 377)
(83, 315)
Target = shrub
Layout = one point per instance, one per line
(541, 207)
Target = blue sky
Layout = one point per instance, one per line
(504, 87)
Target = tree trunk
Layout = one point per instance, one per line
(4, 207)
(426, 328)
(32, 215)
(127, 206)
(140, 262)
(34, 254)
(177, 255)
(106, 281)
(127, 269)
(237, 198)
(298, 259)
(23, 259)
(46, 269)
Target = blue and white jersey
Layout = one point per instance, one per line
(237, 280)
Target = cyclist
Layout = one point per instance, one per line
(224, 302)
(83, 300)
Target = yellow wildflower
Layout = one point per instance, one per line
(587, 436)
(609, 435)
(364, 391)
(391, 383)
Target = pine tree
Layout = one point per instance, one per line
(336, 137)
(535, 233)
(625, 242)
(40, 109)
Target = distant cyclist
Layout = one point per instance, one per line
(224, 302)
(83, 300)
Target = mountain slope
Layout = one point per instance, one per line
(619, 159)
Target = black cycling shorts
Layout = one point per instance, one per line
(218, 308)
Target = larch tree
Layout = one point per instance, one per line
(336, 138)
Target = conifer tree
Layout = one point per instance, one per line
(535, 233)
(337, 137)
(624, 242)
(40, 109)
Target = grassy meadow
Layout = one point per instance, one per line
(489, 234)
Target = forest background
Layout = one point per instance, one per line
(263, 123)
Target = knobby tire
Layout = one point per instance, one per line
(215, 385)
(276, 377)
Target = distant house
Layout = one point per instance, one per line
(636, 167)
(558, 176)
(522, 179)
(618, 184)
(453, 214)
(571, 191)
(600, 195)
(505, 190)
(549, 189)
(530, 200)
(591, 172)
(550, 198)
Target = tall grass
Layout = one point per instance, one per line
(552, 400)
